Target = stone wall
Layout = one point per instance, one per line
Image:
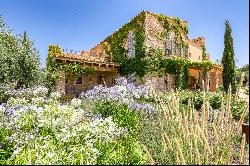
(194, 52)
(157, 83)
(152, 27)
(215, 81)
(170, 82)
(88, 81)
(200, 41)
(60, 82)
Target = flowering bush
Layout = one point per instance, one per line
(123, 124)
(121, 93)
(42, 130)
(125, 102)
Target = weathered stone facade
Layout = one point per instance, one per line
(100, 59)
(72, 83)
(89, 81)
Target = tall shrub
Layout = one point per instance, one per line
(19, 59)
(228, 61)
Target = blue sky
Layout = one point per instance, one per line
(81, 24)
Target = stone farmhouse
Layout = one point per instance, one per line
(170, 37)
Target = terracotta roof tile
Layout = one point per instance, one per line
(83, 56)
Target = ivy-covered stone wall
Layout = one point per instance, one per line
(151, 45)
(151, 35)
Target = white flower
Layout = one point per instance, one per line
(55, 95)
(38, 100)
(40, 91)
(51, 155)
(76, 102)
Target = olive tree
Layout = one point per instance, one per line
(19, 59)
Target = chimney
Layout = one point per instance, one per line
(200, 41)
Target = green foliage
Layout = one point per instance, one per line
(239, 71)
(173, 24)
(73, 68)
(53, 50)
(19, 60)
(139, 64)
(127, 151)
(49, 132)
(228, 61)
(196, 98)
(157, 63)
(184, 78)
(215, 99)
(116, 41)
(123, 116)
(68, 68)
(237, 108)
(179, 66)
(6, 148)
(64, 134)
(204, 53)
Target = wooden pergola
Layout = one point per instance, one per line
(98, 66)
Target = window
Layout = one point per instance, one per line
(167, 52)
(131, 44)
(172, 47)
(199, 57)
(189, 55)
(78, 80)
(170, 44)
(112, 81)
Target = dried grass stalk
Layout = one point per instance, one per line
(151, 160)
(239, 85)
(242, 147)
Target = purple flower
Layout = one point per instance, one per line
(121, 81)
(89, 115)
(121, 91)
(142, 107)
(9, 111)
(99, 116)
(3, 105)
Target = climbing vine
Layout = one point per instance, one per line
(68, 68)
(204, 53)
(180, 27)
(148, 62)
(179, 66)
(73, 68)
(53, 50)
(119, 53)
(139, 63)
(144, 62)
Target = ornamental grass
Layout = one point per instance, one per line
(182, 135)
